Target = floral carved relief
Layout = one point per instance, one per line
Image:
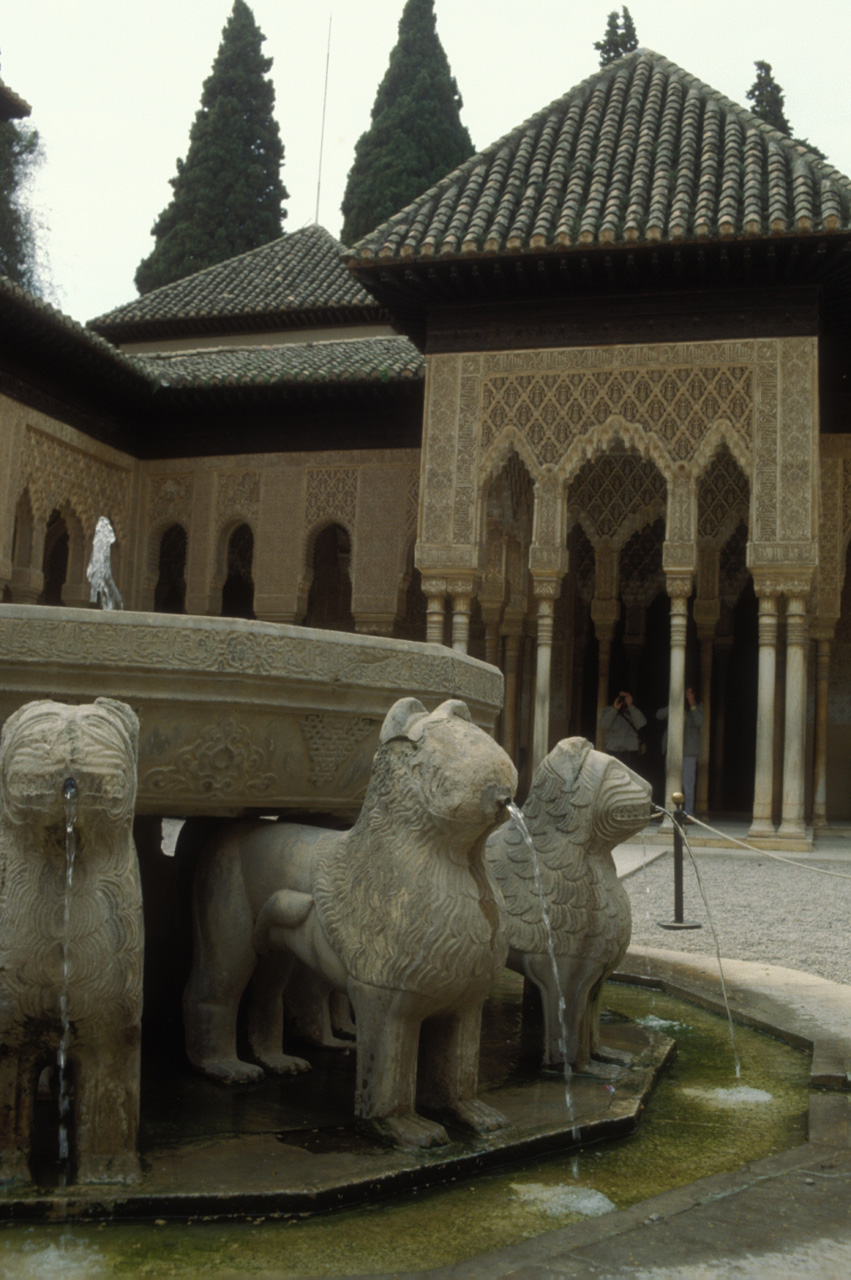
(238, 494)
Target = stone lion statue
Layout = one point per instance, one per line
(581, 804)
(46, 750)
(398, 913)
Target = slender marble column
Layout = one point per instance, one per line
(604, 651)
(543, 671)
(723, 647)
(820, 752)
(679, 591)
(706, 656)
(509, 717)
(762, 823)
(461, 601)
(792, 824)
(434, 590)
(707, 611)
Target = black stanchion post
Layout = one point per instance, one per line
(679, 816)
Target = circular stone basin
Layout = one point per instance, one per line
(234, 714)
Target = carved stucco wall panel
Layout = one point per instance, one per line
(381, 539)
(676, 405)
(59, 473)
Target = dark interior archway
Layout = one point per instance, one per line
(329, 604)
(238, 590)
(170, 591)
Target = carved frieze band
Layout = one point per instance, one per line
(34, 639)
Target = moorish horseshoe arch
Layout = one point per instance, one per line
(674, 402)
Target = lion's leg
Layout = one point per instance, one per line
(316, 1010)
(266, 1014)
(17, 1091)
(449, 1070)
(223, 961)
(388, 1025)
(106, 1108)
(560, 1023)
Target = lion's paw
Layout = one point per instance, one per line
(407, 1131)
(282, 1064)
(231, 1071)
(478, 1116)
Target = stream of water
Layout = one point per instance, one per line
(70, 796)
(520, 822)
(736, 1062)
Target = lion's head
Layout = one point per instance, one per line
(459, 778)
(46, 744)
(592, 797)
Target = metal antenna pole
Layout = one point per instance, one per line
(324, 103)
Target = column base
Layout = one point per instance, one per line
(761, 828)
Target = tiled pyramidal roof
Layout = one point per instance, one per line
(641, 152)
(351, 361)
(296, 280)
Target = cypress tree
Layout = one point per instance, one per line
(416, 135)
(767, 98)
(20, 155)
(228, 191)
(620, 37)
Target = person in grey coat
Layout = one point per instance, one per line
(620, 724)
(691, 745)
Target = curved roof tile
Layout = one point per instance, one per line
(302, 272)
(642, 151)
(364, 360)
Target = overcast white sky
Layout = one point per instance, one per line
(115, 84)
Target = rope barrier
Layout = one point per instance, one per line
(778, 857)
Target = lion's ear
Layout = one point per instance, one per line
(454, 707)
(126, 714)
(397, 722)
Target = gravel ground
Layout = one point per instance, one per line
(761, 909)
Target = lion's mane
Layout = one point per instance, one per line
(41, 743)
(426, 922)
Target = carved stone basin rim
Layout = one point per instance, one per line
(236, 714)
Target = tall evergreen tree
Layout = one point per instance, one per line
(228, 191)
(20, 156)
(416, 135)
(620, 37)
(767, 98)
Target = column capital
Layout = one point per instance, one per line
(433, 586)
(546, 587)
(463, 584)
(678, 584)
(548, 561)
(604, 613)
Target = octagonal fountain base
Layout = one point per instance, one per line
(290, 1146)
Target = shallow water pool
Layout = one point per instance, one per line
(701, 1120)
